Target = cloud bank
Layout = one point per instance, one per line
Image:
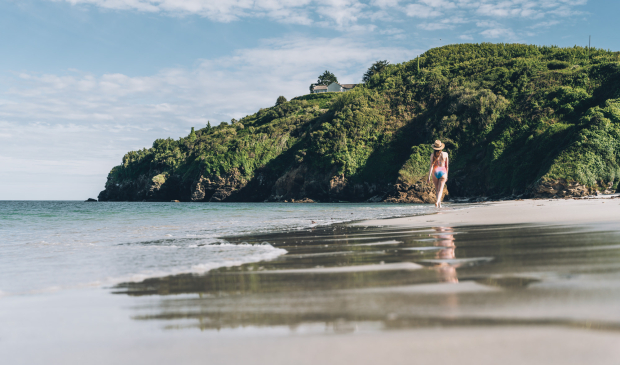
(351, 14)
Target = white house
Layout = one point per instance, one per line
(319, 89)
(333, 87)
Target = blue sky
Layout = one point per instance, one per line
(84, 81)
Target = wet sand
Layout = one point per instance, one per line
(464, 286)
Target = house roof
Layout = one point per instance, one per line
(320, 87)
(348, 86)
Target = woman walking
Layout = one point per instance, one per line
(438, 170)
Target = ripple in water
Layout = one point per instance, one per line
(49, 246)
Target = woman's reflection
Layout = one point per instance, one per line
(445, 238)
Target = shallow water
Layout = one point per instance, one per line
(48, 246)
(344, 278)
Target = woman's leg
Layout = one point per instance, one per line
(441, 184)
(436, 183)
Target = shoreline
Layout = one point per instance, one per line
(428, 287)
(535, 211)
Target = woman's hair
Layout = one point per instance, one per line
(436, 155)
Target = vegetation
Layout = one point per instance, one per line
(281, 100)
(511, 115)
(374, 69)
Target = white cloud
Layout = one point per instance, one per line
(349, 15)
(495, 33)
(385, 3)
(391, 31)
(81, 124)
(547, 24)
(343, 13)
(421, 11)
(443, 4)
(466, 37)
(447, 23)
(481, 11)
(255, 75)
(218, 10)
(338, 13)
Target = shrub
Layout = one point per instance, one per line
(557, 65)
(281, 100)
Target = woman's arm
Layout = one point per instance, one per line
(431, 169)
(447, 164)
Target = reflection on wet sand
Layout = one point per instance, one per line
(344, 280)
(445, 240)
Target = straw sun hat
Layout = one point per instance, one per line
(438, 145)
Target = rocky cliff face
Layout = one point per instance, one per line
(299, 184)
(160, 187)
(217, 189)
(560, 188)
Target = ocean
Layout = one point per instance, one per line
(49, 246)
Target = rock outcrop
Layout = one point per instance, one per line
(298, 185)
(419, 193)
(217, 189)
(560, 188)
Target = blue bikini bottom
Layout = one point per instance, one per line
(440, 172)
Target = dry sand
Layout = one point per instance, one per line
(582, 211)
(475, 346)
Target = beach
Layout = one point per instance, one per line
(534, 211)
(532, 281)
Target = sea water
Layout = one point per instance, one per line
(47, 246)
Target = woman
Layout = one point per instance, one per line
(438, 170)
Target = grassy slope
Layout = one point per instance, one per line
(510, 114)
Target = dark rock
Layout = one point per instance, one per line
(90, 200)
(418, 193)
(304, 200)
(559, 188)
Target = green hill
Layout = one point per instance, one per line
(516, 119)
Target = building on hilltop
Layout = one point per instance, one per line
(333, 87)
(319, 89)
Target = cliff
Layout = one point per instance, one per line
(516, 119)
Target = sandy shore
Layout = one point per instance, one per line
(508, 346)
(582, 211)
(441, 288)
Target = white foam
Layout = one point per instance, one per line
(266, 256)
(269, 253)
(257, 253)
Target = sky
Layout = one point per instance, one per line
(82, 82)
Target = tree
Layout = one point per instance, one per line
(192, 135)
(375, 69)
(324, 79)
(281, 100)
